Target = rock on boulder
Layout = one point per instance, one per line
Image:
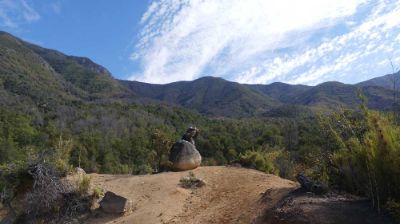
(113, 203)
(184, 156)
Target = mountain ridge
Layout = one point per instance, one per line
(385, 81)
(44, 76)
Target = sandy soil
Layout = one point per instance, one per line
(231, 195)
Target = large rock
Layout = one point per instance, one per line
(113, 203)
(184, 156)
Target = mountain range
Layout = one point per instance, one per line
(41, 79)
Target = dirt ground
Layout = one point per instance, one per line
(231, 196)
(303, 208)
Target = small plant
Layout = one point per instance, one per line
(98, 193)
(83, 184)
(191, 181)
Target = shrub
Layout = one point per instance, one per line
(366, 160)
(257, 160)
(191, 181)
(46, 196)
(83, 184)
(53, 199)
(98, 193)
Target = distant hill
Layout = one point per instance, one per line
(385, 81)
(39, 77)
(208, 95)
(332, 94)
(281, 91)
(218, 97)
(29, 79)
(81, 72)
(328, 95)
(36, 77)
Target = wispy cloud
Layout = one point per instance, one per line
(56, 7)
(16, 12)
(258, 41)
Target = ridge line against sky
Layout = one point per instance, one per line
(305, 42)
(252, 41)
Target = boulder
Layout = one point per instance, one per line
(184, 156)
(112, 203)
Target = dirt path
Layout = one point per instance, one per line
(231, 195)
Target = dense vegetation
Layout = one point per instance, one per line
(70, 112)
(357, 151)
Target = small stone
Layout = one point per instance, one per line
(79, 171)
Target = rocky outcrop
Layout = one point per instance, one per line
(184, 155)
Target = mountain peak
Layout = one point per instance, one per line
(211, 78)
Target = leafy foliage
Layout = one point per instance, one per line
(365, 156)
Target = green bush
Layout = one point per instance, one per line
(367, 158)
(258, 160)
(98, 193)
(83, 184)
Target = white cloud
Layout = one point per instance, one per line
(183, 39)
(16, 12)
(374, 38)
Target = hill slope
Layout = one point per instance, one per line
(39, 76)
(328, 95)
(208, 95)
(332, 94)
(28, 78)
(385, 81)
(281, 91)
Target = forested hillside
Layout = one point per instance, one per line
(72, 112)
(209, 96)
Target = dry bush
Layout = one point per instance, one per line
(47, 190)
(52, 199)
(191, 181)
(83, 184)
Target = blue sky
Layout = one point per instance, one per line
(252, 41)
(98, 29)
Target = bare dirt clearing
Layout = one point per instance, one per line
(231, 195)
